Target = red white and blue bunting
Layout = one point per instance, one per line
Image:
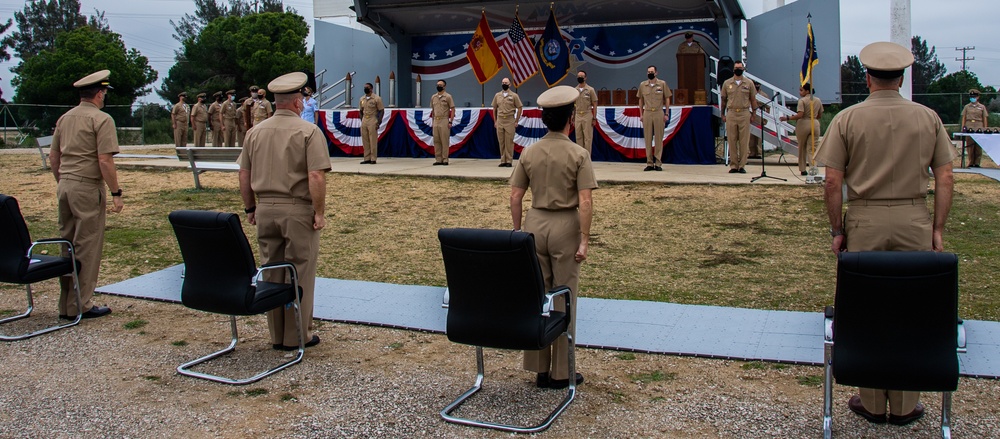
(344, 129)
(621, 127)
(420, 127)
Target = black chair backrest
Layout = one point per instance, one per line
(725, 69)
(218, 261)
(14, 241)
(495, 286)
(895, 321)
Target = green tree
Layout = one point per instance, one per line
(236, 52)
(41, 22)
(853, 86)
(926, 67)
(954, 94)
(206, 11)
(46, 77)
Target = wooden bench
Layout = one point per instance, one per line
(201, 159)
(44, 142)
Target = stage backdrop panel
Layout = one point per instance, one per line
(687, 139)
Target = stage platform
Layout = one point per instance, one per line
(627, 325)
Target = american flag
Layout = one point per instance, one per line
(519, 52)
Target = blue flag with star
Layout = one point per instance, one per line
(810, 59)
(552, 53)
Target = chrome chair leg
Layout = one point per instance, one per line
(31, 305)
(946, 415)
(827, 391)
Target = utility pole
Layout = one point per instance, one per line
(965, 58)
(899, 33)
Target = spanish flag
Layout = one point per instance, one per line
(811, 58)
(483, 52)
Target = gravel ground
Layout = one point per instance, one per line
(101, 380)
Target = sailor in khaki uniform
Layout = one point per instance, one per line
(882, 149)
(443, 114)
(215, 118)
(199, 120)
(808, 112)
(654, 98)
(180, 115)
(561, 178)
(507, 110)
(586, 112)
(756, 145)
(229, 119)
(261, 108)
(82, 155)
(974, 117)
(372, 111)
(282, 176)
(247, 105)
(738, 102)
(241, 121)
(689, 45)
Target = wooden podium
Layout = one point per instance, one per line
(690, 76)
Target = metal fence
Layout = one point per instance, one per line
(150, 125)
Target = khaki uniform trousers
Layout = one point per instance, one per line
(756, 145)
(806, 132)
(585, 130)
(216, 135)
(229, 134)
(369, 137)
(975, 151)
(285, 233)
(82, 215)
(181, 136)
(652, 133)
(506, 125)
(738, 135)
(199, 134)
(894, 225)
(557, 237)
(442, 139)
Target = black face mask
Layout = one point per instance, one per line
(651, 75)
(368, 90)
(580, 80)
(505, 86)
(440, 88)
(738, 72)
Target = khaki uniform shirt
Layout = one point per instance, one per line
(555, 169)
(974, 115)
(694, 47)
(804, 107)
(180, 114)
(247, 112)
(81, 134)
(261, 110)
(199, 113)
(441, 104)
(740, 96)
(229, 112)
(280, 152)
(215, 113)
(654, 96)
(371, 105)
(241, 121)
(506, 106)
(884, 146)
(586, 101)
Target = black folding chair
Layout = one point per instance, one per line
(506, 308)
(20, 265)
(221, 276)
(896, 327)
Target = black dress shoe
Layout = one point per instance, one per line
(366, 162)
(542, 380)
(562, 384)
(371, 162)
(917, 413)
(733, 171)
(804, 173)
(648, 168)
(510, 165)
(438, 163)
(93, 313)
(742, 171)
(657, 168)
(444, 163)
(280, 347)
(855, 405)
(502, 165)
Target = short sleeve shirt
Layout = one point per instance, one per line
(555, 169)
(586, 101)
(441, 104)
(80, 136)
(741, 95)
(654, 96)
(974, 114)
(693, 47)
(199, 113)
(279, 153)
(180, 113)
(229, 110)
(884, 146)
(804, 107)
(371, 105)
(506, 103)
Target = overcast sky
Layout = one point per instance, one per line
(145, 25)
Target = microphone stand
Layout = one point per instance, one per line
(763, 173)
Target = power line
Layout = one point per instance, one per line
(964, 57)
